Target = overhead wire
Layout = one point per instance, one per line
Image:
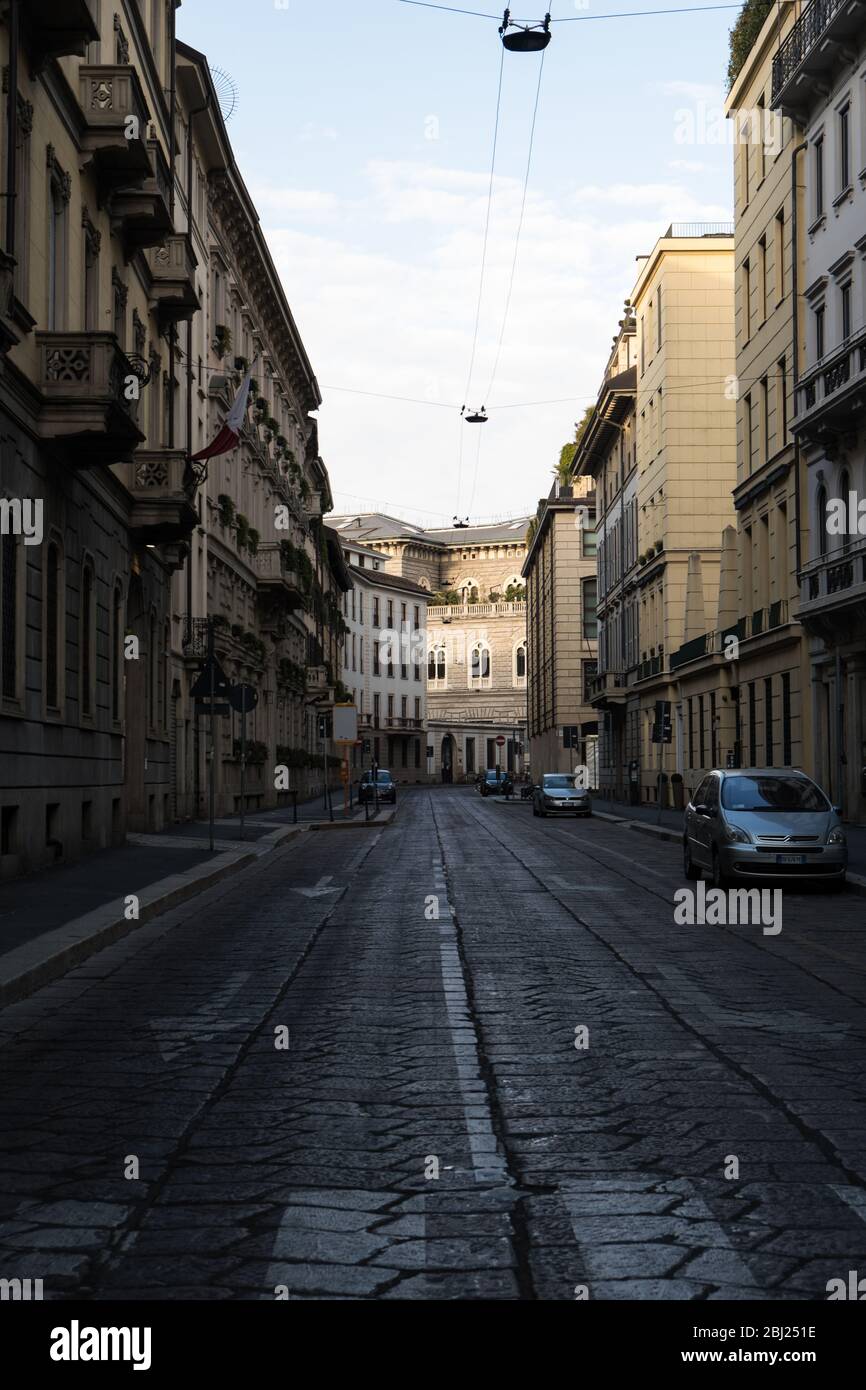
(575, 18)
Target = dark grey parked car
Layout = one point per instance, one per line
(384, 788)
(557, 795)
(763, 822)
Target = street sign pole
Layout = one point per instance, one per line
(211, 787)
(243, 764)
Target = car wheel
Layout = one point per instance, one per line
(720, 880)
(689, 868)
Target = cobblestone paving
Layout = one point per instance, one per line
(430, 1130)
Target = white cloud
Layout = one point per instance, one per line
(386, 302)
(693, 91)
(294, 200)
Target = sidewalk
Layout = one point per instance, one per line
(54, 919)
(673, 820)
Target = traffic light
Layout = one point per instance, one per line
(662, 727)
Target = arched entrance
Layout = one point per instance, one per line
(447, 758)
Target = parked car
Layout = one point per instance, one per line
(385, 786)
(496, 782)
(763, 822)
(558, 795)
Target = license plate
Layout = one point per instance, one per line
(790, 858)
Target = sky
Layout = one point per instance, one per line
(364, 133)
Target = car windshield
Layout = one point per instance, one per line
(772, 794)
(382, 776)
(559, 780)
(495, 776)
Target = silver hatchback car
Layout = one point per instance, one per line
(763, 822)
(559, 795)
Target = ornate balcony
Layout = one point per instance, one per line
(163, 510)
(115, 119)
(141, 211)
(172, 268)
(58, 28)
(8, 334)
(609, 689)
(275, 577)
(812, 48)
(317, 687)
(831, 392)
(833, 592)
(86, 415)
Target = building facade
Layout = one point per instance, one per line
(476, 636)
(819, 81)
(116, 361)
(385, 664)
(561, 596)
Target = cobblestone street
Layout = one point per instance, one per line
(431, 1124)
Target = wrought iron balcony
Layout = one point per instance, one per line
(141, 211)
(830, 392)
(115, 119)
(810, 51)
(693, 650)
(172, 267)
(59, 28)
(833, 589)
(89, 398)
(163, 490)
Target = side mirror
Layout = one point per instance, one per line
(838, 810)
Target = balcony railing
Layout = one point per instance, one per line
(652, 666)
(693, 649)
(826, 390)
(715, 643)
(806, 52)
(84, 379)
(172, 267)
(699, 229)
(476, 610)
(841, 574)
(111, 98)
(163, 489)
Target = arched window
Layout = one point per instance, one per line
(437, 666)
(844, 490)
(520, 663)
(116, 651)
(821, 519)
(9, 615)
(479, 666)
(513, 589)
(151, 671)
(85, 641)
(52, 609)
(469, 590)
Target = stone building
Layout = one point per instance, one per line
(476, 635)
(819, 82)
(110, 359)
(385, 664)
(561, 594)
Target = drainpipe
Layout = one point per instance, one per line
(12, 126)
(172, 156)
(795, 342)
(194, 111)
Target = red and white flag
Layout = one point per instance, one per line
(228, 436)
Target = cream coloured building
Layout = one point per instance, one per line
(685, 416)
(476, 635)
(561, 589)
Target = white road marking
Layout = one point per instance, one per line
(321, 889)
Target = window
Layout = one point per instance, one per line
(404, 708)
(768, 722)
(762, 281)
(818, 175)
(9, 615)
(845, 306)
(470, 755)
(762, 148)
(376, 659)
(747, 428)
(844, 126)
(52, 611)
(692, 733)
(765, 419)
(747, 298)
(377, 705)
(701, 730)
(85, 641)
(417, 709)
(786, 720)
(779, 256)
(120, 293)
(659, 317)
(821, 519)
(753, 726)
(58, 201)
(375, 612)
(390, 709)
(520, 663)
(116, 651)
(361, 656)
(436, 665)
(819, 332)
(782, 402)
(589, 591)
(479, 665)
(91, 276)
(390, 622)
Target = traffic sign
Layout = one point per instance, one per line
(243, 698)
(500, 741)
(212, 680)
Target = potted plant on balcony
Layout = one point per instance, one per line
(242, 531)
(226, 509)
(222, 340)
(659, 547)
(253, 539)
